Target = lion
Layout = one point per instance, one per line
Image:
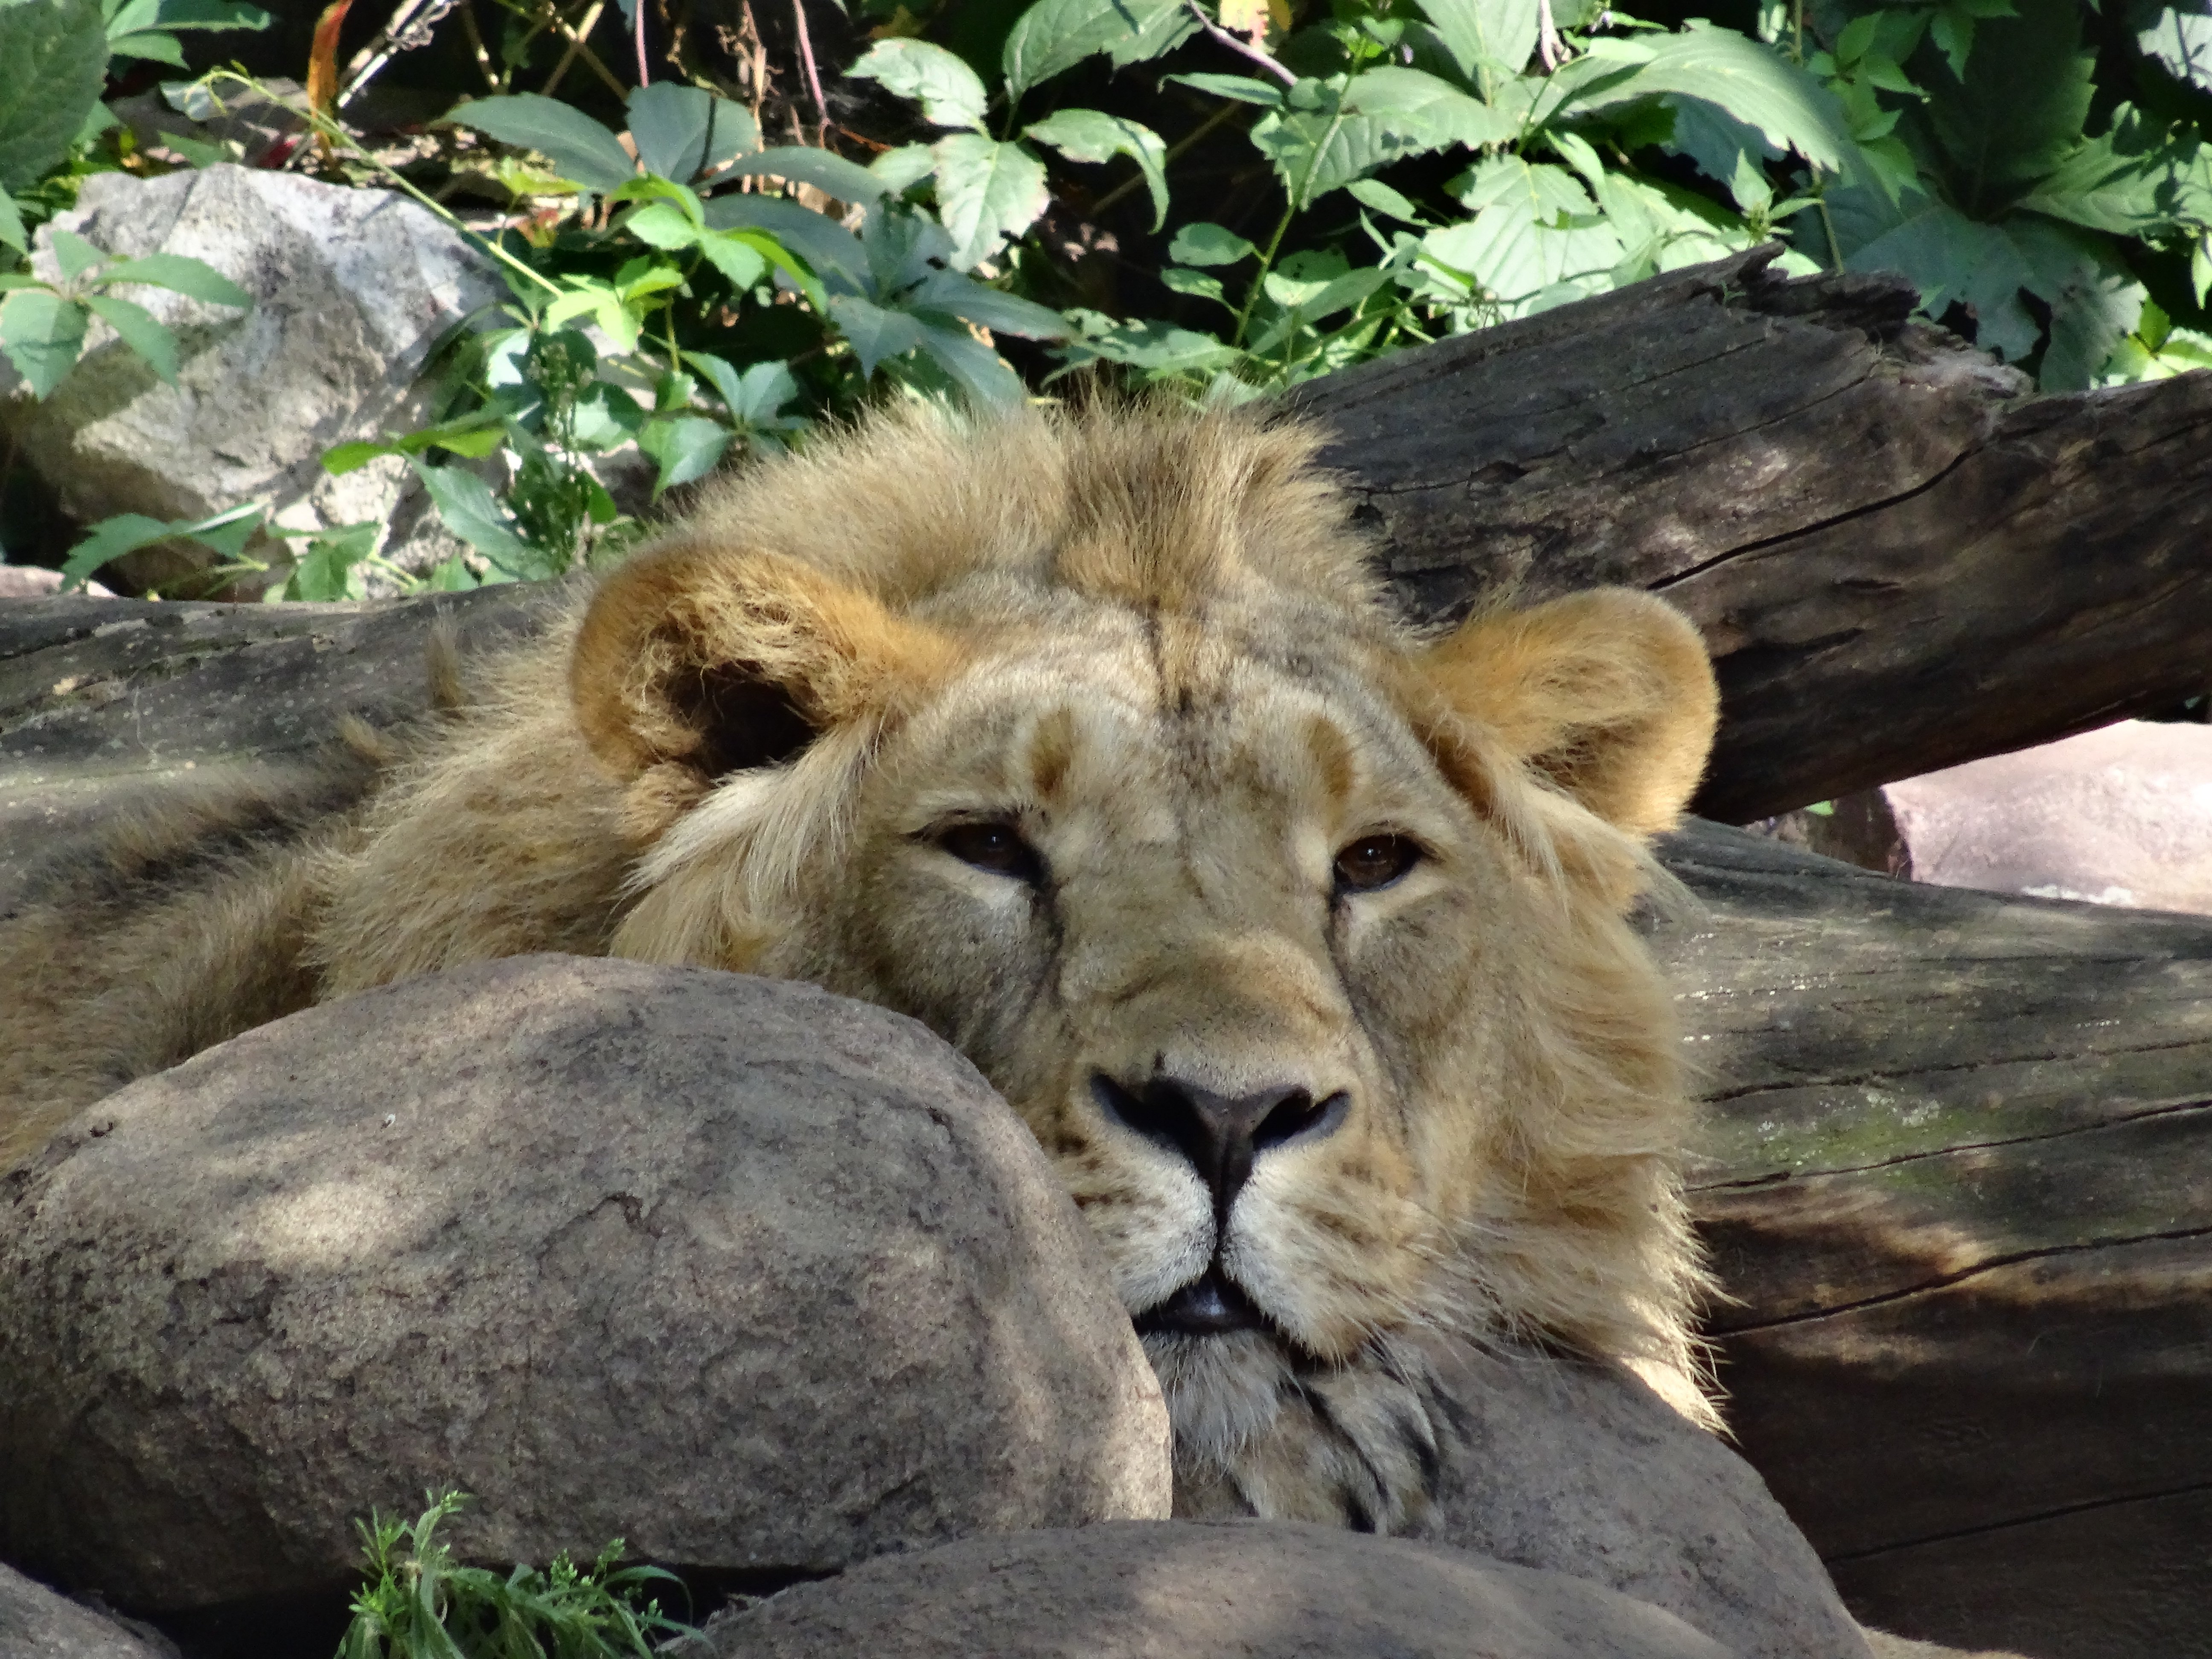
(1300, 936)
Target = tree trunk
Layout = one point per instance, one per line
(1959, 1184)
(1898, 561)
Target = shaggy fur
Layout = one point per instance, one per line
(1150, 646)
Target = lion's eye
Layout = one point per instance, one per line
(1374, 862)
(996, 847)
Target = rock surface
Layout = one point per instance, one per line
(2122, 815)
(352, 288)
(1258, 1590)
(31, 581)
(753, 1277)
(37, 1624)
(1582, 1470)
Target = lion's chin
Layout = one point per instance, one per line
(1224, 1390)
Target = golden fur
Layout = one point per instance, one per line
(1149, 644)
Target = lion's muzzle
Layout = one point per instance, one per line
(1221, 1136)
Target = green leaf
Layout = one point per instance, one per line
(2018, 112)
(2182, 41)
(965, 298)
(55, 52)
(1752, 82)
(1500, 35)
(152, 44)
(734, 255)
(904, 166)
(833, 175)
(986, 191)
(662, 225)
(1158, 349)
(873, 332)
(1241, 88)
(687, 447)
(1054, 35)
(586, 153)
(2200, 268)
(1386, 114)
(111, 539)
(1196, 284)
(2125, 182)
(681, 131)
(605, 418)
(949, 93)
(183, 14)
(136, 329)
(74, 254)
(12, 233)
(193, 278)
(330, 568)
(468, 509)
(226, 533)
(1200, 243)
(756, 397)
(1951, 257)
(981, 372)
(1374, 194)
(42, 334)
(820, 240)
(1090, 135)
(2094, 302)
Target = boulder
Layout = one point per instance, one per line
(2117, 816)
(37, 1624)
(1255, 1589)
(1581, 1469)
(31, 581)
(352, 288)
(760, 1279)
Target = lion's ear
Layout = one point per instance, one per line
(1609, 692)
(720, 660)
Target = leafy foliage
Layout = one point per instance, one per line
(417, 1603)
(1282, 189)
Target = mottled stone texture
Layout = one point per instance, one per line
(750, 1275)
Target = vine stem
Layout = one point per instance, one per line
(1282, 226)
(1242, 48)
(813, 74)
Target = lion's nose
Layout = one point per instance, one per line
(1220, 1135)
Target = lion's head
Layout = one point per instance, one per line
(1296, 935)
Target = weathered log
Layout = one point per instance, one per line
(1958, 1186)
(1898, 562)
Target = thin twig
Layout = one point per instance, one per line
(813, 75)
(1551, 51)
(577, 49)
(477, 45)
(1242, 48)
(644, 75)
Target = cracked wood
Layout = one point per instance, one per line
(1899, 561)
(1958, 1180)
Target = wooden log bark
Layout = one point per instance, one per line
(1959, 1184)
(1898, 562)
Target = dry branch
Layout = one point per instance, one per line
(1899, 561)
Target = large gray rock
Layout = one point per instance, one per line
(352, 288)
(1581, 1469)
(2122, 815)
(1255, 1589)
(751, 1276)
(37, 1624)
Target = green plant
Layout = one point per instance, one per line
(417, 1603)
(42, 324)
